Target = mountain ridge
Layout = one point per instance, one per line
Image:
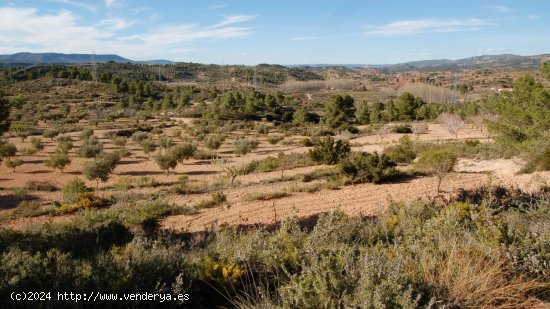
(501, 61)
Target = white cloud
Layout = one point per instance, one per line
(116, 23)
(233, 19)
(501, 9)
(113, 3)
(217, 6)
(493, 50)
(63, 32)
(416, 26)
(305, 38)
(21, 28)
(81, 5)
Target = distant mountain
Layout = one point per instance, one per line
(59, 58)
(501, 62)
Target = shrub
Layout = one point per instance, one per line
(37, 143)
(148, 146)
(97, 170)
(50, 133)
(13, 163)
(438, 162)
(7, 150)
(83, 200)
(64, 144)
(243, 145)
(262, 129)
(90, 148)
(183, 151)
(402, 129)
(366, 167)
(403, 152)
(329, 151)
(119, 141)
(86, 134)
(166, 162)
(73, 189)
(44, 186)
(214, 142)
(58, 161)
(275, 139)
(538, 160)
(139, 136)
(217, 199)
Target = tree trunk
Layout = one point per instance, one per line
(439, 178)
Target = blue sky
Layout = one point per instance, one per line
(282, 32)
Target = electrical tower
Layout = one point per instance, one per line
(255, 78)
(94, 67)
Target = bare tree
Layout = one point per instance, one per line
(453, 123)
(419, 128)
(383, 131)
(232, 171)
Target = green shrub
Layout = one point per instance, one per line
(73, 189)
(403, 152)
(243, 145)
(58, 160)
(44, 186)
(329, 151)
(13, 163)
(7, 150)
(438, 162)
(274, 139)
(90, 148)
(214, 142)
(217, 199)
(366, 167)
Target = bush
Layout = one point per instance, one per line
(214, 142)
(44, 186)
(330, 152)
(139, 136)
(13, 163)
(7, 150)
(73, 189)
(243, 145)
(37, 143)
(90, 148)
(438, 162)
(58, 161)
(166, 162)
(217, 199)
(275, 139)
(148, 146)
(403, 152)
(402, 129)
(50, 133)
(84, 200)
(366, 167)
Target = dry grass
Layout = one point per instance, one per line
(469, 280)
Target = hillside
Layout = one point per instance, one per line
(501, 62)
(59, 58)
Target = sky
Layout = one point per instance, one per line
(277, 31)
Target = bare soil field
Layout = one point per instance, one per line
(364, 199)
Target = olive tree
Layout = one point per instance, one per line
(58, 160)
(438, 162)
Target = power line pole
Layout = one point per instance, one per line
(94, 67)
(255, 78)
